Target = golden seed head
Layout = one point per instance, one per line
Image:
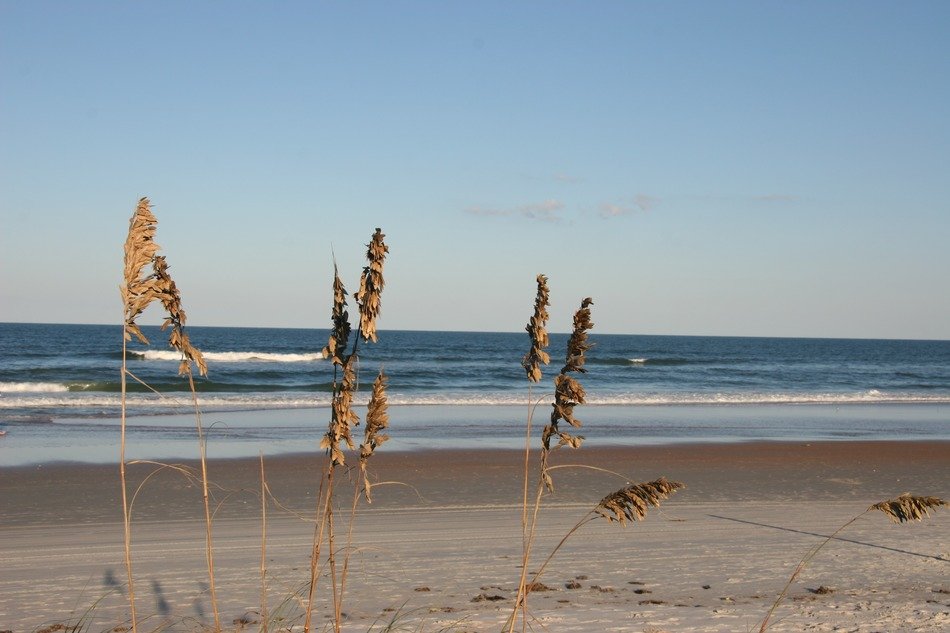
(568, 392)
(578, 345)
(342, 416)
(138, 291)
(377, 420)
(371, 286)
(340, 333)
(539, 335)
(140, 248)
(908, 507)
(631, 503)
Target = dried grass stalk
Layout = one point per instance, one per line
(902, 509)
(377, 420)
(371, 286)
(568, 392)
(578, 344)
(536, 330)
(170, 297)
(908, 507)
(139, 291)
(631, 503)
(340, 334)
(140, 250)
(342, 416)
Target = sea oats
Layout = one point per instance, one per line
(171, 300)
(342, 416)
(138, 291)
(908, 507)
(578, 345)
(377, 420)
(539, 335)
(631, 503)
(371, 286)
(568, 392)
(340, 334)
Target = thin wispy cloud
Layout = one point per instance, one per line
(640, 203)
(611, 210)
(545, 211)
(549, 210)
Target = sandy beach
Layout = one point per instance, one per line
(440, 549)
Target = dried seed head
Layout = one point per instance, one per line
(138, 291)
(340, 334)
(539, 335)
(577, 345)
(371, 286)
(377, 420)
(568, 392)
(342, 416)
(631, 503)
(377, 417)
(908, 507)
(168, 294)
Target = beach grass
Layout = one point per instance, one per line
(139, 290)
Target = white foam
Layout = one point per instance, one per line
(237, 357)
(32, 387)
(57, 396)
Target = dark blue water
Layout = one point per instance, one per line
(56, 370)
(648, 387)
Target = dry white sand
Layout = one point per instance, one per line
(446, 556)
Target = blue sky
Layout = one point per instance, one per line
(725, 168)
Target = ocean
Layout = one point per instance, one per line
(268, 389)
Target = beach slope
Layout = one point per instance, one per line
(441, 548)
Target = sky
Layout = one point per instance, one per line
(697, 168)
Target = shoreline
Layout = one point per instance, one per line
(245, 434)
